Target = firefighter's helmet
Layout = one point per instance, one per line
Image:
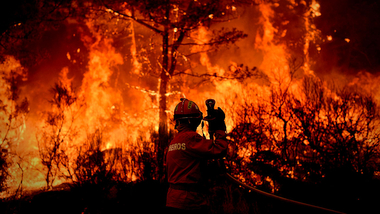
(187, 109)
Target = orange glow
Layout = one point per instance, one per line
(315, 9)
(124, 107)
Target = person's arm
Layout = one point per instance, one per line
(217, 127)
(207, 148)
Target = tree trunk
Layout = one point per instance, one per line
(163, 129)
(164, 80)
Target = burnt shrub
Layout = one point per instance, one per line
(320, 147)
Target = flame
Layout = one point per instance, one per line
(12, 124)
(312, 35)
(202, 36)
(117, 101)
(136, 64)
(314, 9)
(275, 63)
(104, 102)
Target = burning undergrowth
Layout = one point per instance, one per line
(95, 120)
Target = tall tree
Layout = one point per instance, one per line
(58, 131)
(13, 113)
(175, 21)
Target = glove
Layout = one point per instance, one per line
(216, 120)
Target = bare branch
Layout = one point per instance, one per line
(132, 17)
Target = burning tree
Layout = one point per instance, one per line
(178, 29)
(177, 23)
(131, 58)
(320, 136)
(12, 114)
(58, 133)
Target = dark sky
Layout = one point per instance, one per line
(358, 21)
(15, 11)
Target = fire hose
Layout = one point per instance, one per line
(210, 103)
(236, 181)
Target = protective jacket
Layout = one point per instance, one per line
(186, 161)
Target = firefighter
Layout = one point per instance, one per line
(187, 157)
